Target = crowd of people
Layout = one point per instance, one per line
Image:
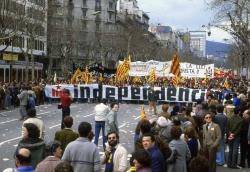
(180, 137)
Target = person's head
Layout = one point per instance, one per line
(148, 141)
(220, 108)
(84, 129)
(176, 121)
(190, 133)
(68, 121)
(31, 131)
(176, 132)
(208, 118)
(237, 110)
(199, 164)
(145, 126)
(55, 149)
(204, 106)
(188, 111)
(113, 138)
(114, 107)
(142, 159)
(66, 91)
(64, 167)
(31, 112)
(246, 114)
(165, 107)
(22, 157)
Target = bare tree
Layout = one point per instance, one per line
(233, 17)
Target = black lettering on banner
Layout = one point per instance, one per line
(135, 93)
(171, 94)
(160, 94)
(145, 93)
(122, 92)
(110, 93)
(183, 92)
(75, 92)
(85, 92)
(203, 94)
(194, 92)
(96, 93)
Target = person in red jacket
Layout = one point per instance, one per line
(66, 101)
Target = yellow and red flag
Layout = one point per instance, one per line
(226, 84)
(75, 76)
(175, 67)
(123, 70)
(142, 113)
(152, 76)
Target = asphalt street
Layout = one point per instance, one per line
(10, 128)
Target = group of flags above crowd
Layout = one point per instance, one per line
(127, 70)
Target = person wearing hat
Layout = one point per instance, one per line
(50, 162)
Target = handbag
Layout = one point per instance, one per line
(59, 106)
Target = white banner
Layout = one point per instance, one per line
(162, 69)
(190, 70)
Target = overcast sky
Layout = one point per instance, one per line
(181, 14)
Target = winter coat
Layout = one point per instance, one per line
(36, 147)
(183, 155)
(111, 123)
(48, 164)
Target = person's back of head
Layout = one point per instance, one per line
(84, 129)
(199, 164)
(31, 112)
(68, 121)
(64, 167)
(23, 157)
(220, 108)
(165, 107)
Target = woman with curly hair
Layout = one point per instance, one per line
(32, 142)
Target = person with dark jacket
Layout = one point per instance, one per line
(32, 142)
(221, 119)
(244, 146)
(234, 127)
(66, 135)
(157, 159)
(66, 101)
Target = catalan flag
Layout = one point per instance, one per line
(226, 84)
(85, 76)
(175, 67)
(176, 80)
(123, 69)
(75, 76)
(152, 76)
(142, 113)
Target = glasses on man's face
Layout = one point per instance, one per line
(208, 117)
(109, 138)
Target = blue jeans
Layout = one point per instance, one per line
(233, 152)
(100, 125)
(23, 111)
(220, 155)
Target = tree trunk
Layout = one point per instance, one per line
(26, 67)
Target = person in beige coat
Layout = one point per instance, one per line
(211, 140)
(115, 156)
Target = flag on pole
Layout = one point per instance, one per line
(175, 67)
(176, 81)
(142, 113)
(152, 76)
(123, 70)
(75, 76)
(55, 77)
(226, 84)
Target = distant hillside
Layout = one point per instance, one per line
(217, 49)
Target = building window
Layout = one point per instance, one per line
(111, 5)
(110, 16)
(98, 5)
(84, 12)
